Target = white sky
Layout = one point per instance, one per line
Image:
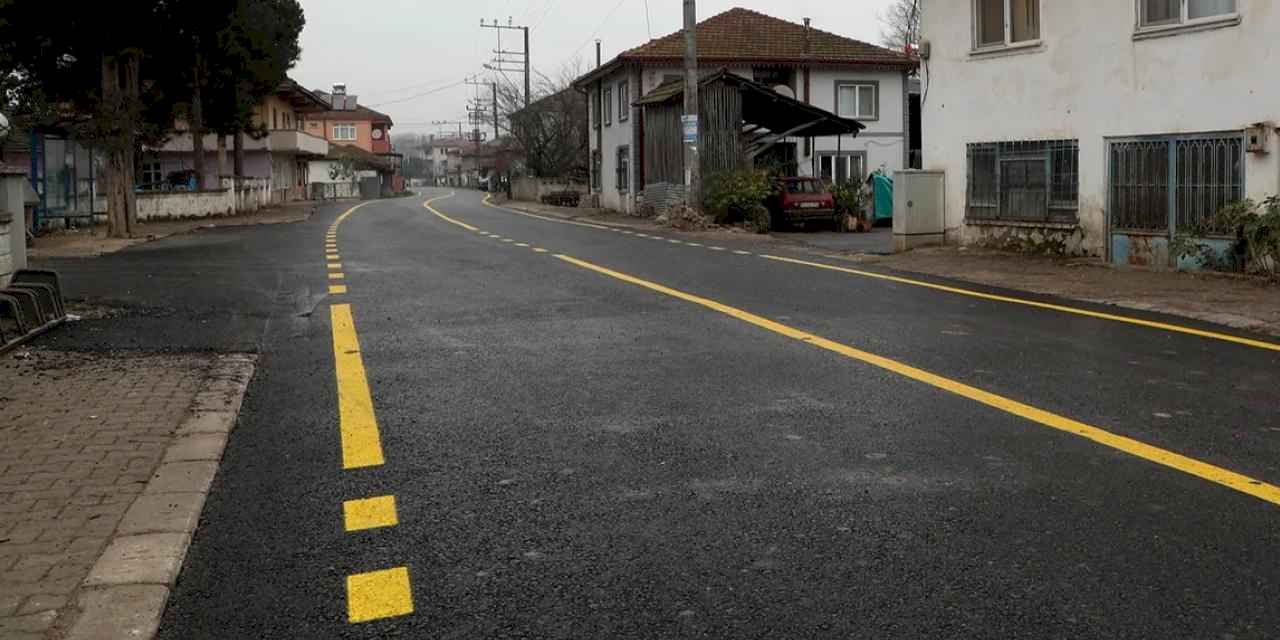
(389, 51)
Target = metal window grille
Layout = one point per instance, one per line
(1028, 181)
(624, 169)
(1174, 183)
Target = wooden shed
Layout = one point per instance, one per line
(738, 120)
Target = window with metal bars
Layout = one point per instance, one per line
(1173, 183)
(1024, 181)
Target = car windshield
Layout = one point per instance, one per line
(804, 186)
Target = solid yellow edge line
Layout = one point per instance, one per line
(361, 444)
(491, 205)
(1191, 466)
(442, 216)
(1151, 324)
(379, 594)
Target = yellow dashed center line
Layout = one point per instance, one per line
(539, 250)
(337, 276)
(369, 513)
(522, 244)
(335, 265)
(361, 443)
(379, 594)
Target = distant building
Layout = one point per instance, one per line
(347, 122)
(847, 77)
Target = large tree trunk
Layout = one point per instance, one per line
(237, 159)
(222, 158)
(119, 93)
(197, 125)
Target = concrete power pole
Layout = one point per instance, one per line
(526, 67)
(692, 164)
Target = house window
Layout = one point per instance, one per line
(1001, 23)
(608, 106)
(152, 175)
(1031, 181)
(842, 168)
(624, 101)
(860, 100)
(344, 132)
(1173, 182)
(596, 171)
(624, 169)
(1163, 13)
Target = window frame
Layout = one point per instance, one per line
(1007, 43)
(1184, 21)
(622, 174)
(158, 174)
(875, 100)
(1006, 153)
(624, 100)
(338, 126)
(1174, 175)
(608, 105)
(850, 159)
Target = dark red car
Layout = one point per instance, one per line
(799, 200)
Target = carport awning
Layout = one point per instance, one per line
(764, 108)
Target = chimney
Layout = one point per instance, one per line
(807, 22)
(339, 89)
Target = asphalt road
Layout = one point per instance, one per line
(629, 437)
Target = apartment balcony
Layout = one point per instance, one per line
(297, 142)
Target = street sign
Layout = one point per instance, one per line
(690, 126)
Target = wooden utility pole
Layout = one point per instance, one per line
(692, 164)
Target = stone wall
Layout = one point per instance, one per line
(532, 189)
(659, 198)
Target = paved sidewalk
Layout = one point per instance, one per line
(90, 242)
(82, 434)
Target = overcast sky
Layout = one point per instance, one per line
(389, 52)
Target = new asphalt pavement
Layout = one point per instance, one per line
(589, 433)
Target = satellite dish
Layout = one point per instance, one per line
(784, 90)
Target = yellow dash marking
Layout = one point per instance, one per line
(1164, 326)
(332, 256)
(539, 250)
(379, 594)
(508, 240)
(369, 513)
(716, 248)
(674, 241)
(335, 265)
(337, 276)
(522, 244)
(630, 233)
(742, 253)
(337, 288)
(1191, 466)
(361, 444)
(531, 215)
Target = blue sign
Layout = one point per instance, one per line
(690, 126)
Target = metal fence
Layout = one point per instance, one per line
(1174, 183)
(1026, 181)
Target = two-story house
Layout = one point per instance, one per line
(281, 156)
(848, 77)
(1098, 127)
(348, 123)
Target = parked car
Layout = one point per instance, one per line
(800, 200)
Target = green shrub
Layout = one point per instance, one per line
(758, 219)
(1254, 228)
(848, 198)
(731, 196)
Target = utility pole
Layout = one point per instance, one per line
(521, 56)
(692, 166)
(496, 133)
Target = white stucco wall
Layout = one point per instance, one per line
(884, 139)
(182, 205)
(1090, 79)
(13, 237)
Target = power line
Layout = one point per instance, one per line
(595, 31)
(415, 96)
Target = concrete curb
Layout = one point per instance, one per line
(128, 587)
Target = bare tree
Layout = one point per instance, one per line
(900, 25)
(551, 133)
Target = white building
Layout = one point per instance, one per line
(848, 77)
(1098, 127)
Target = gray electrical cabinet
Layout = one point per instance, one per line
(918, 209)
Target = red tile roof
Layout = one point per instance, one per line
(749, 36)
(360, 114)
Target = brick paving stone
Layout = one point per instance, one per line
(83, 433)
